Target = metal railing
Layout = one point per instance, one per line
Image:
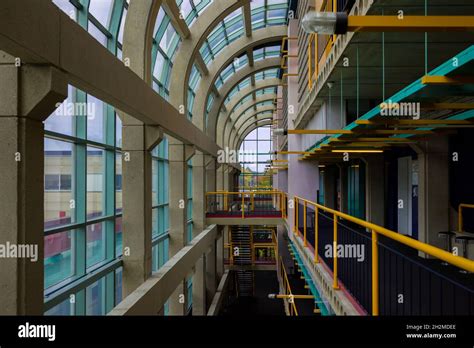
(424, 285)
(319, 46)
(263, 251)
(287, 290)
(251, 204)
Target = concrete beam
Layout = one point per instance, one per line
(235, 49)
(229, 85)
(250, 57)
(151, 296)
(241, 138)
(237, 130)
(178, 22)
(88, 65)
(188, 52)
(248, 19)
(239, 113)
(220, 295)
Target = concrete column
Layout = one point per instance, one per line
(375, 189)
(211, 175)
(226, 177)
(344, 187)
(199, 287)
(220, 177)
(179, 154)
(28, 95)
(433, 198)
(138, 141)
(211, 271)
(199, 199)
(330, 186)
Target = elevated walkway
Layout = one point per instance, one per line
(362, 268)
(246, 208)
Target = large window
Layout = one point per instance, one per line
(165, 45)
(255, 154)
(160, 205)
(82, 203)
(83, 184)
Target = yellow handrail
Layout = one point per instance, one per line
(288, 289)
(460, 218)
(458, 261)
(278, 199)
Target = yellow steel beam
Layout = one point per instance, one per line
(293, 152)
(410, 23)
(414, 123)
(447, 106)
(356, 151)
(361, 131)
(368, 140)
(447, 80)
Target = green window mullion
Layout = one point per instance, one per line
(80, 304)
(114, 27)
(83, 14)
(109, 291)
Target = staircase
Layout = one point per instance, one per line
(242, 256)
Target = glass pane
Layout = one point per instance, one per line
(95, 244)
(95, 119)
(61, 120)
(97, 34)
(58, 258)
(65, 308)
(118, 183)
(95, 298)
(59, 183)
(95, 182)
(118, 237)
(101, 10)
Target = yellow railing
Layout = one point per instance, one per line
(246, 203)
(287, 290)
(254, 246)
(327, 6)
(458, 261)
(460, 217)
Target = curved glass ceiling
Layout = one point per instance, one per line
(165, 45)
(264, 13)
(190, 9)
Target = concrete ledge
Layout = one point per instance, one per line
(338, 301)
(151, 296)
(220, 295)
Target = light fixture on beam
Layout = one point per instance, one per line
(328, 23)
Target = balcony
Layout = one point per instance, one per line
(246, 208)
